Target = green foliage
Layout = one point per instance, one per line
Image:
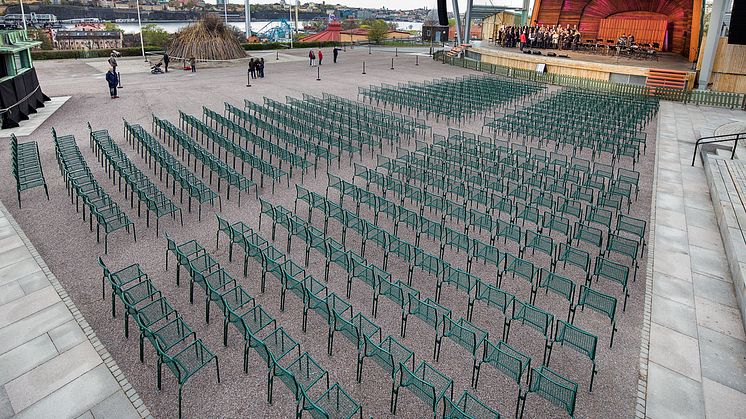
(153, 34)
(40, 35)
(377, 31)
(111, 26)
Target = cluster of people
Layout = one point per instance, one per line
(313, 56)
(256, 68)
(626, 40)
(539, 36)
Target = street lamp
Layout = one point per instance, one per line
(139, 24)
(290, 13)
(23, 16)
(225, 11)
(247, 18)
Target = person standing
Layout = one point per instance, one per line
(321, 56)
(193, 64)
(112, 80)
(523, 40)
(311, 57)
(113, 61)
(252, 68)
(166, 60)
(335, 53)
(260, 67)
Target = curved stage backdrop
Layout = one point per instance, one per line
(673, 24)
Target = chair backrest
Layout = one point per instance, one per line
(537, 318)
(598, 301)
(577, 338)
(554, 387)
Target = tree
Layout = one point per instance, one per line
(377, 32)
(41, 35)
(153, 34)
(111, 26)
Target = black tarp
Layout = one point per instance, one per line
(19, 97)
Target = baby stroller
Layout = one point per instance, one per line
(156, 69)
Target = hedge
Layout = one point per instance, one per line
(91, 53)
(136, 51)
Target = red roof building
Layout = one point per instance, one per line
(332, 33)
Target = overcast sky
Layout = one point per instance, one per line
(392, 4)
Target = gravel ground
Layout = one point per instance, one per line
(70, 250)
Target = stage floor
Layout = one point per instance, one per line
(666, 61)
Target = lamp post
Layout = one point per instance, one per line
(247, 18)
(290, 15)
(139, 24)
(225, 11)
(23, 16)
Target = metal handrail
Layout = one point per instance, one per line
(719, 139)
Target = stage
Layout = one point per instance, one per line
(584, 64)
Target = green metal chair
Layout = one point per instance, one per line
(334, 403)
(599, 302)
(555, 388)
(469, 336)
(578, 339)
(425, 382)
(536, 318)
(468, 407)
(510, 362)
(187, 362)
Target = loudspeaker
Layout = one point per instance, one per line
(737, 34)
(442, 13)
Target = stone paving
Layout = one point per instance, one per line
(695, 362)
(51, 363)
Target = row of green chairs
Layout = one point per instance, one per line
(116, 162)
(80, 181)
(373, 134)
(344, 105)
(305, 119)
(452, 99)
(178, 139)
(361, 331)
(467, 335)
(174, 341)
(281, 136)
(260, 331)
(301, 128)
(26, 166)
(153, 151)
(225, 126)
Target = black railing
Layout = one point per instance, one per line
(719, 139)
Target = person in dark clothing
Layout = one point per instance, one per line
(335, 53)
(111, 79)
(252, 68)
(193, 64)
(166, 60)
(321, 56)
(260, 68)
(311, 57)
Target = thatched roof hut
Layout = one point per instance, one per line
(207, 39)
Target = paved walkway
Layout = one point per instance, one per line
(51, 363)
(695, 364)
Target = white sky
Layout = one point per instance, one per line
(393, 4)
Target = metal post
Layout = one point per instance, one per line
(397, 51)
(416, 60)
(248, 78)
(119, 79)
(225, 11)
(23, 17)
(290, 11)
(318, 73)
(368, 49)
(139, 25)
(277, 57)
(392, 63)
(467, 23)
(363, 67)
(711, 42)
(247, 18)
(457, 15)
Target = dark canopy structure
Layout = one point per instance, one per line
(20, 93)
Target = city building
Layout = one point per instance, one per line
(87, 39)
